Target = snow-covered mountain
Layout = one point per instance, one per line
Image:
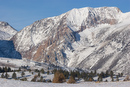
(88, 38)
(7, 48)
(6, 31)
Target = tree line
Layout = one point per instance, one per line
(60, 75)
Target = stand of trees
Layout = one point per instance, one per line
(60, 75)
(5, 69)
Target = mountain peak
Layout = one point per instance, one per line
(6, 31)
(102, 8)
(3, 23)
(91, 17)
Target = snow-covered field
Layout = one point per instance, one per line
(15, 62)
(15, 83)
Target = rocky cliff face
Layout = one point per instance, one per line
(45, 40)
(108, 49)
(75, 38)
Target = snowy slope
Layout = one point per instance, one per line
(15, 62)
(6, 31)
(88, 38)
(15, 83)
(105, 47)
(91, 17)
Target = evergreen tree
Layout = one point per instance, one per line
(95, 72)
(2, 75)
(9, 69)
(34, 78)
(121, 74)
(72, 73)
(71, 80)
(19, 69)
(102, 74)
(14, 76)
(29, 70)
(6, 75)
(42, 71)
(39, 74)
(41, 79)
(36, 70)
(107, 73)
(48, 72)
(79, 75)
(117, 78)
(5, 69)
(91, 73)
(100, 77)
(112, 79)
(22, 74)
(111, 74)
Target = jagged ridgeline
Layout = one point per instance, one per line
(88, 38)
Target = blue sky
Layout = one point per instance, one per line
(21, 13)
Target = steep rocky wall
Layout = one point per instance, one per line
(46, 40)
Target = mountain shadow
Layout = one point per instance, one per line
(76, 34)
(7, 50)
